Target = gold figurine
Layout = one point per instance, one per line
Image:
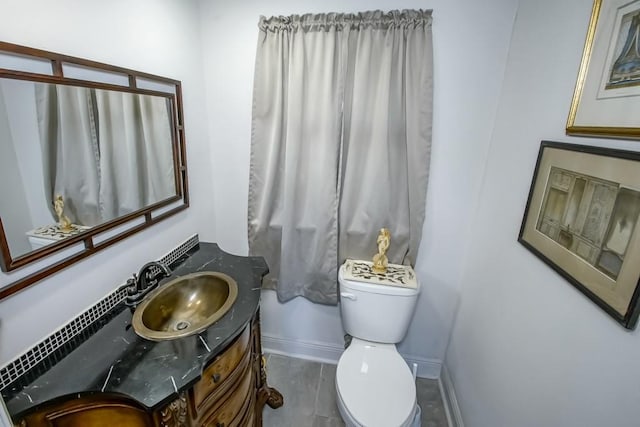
(64, 224)
(380, 260)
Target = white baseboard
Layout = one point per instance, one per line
(427, 368)
(309, 350)
(448, 393)
(330, 353)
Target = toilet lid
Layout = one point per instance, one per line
(375, 384)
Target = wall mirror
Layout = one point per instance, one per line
(90, 153)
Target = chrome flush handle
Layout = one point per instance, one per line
(348, 295)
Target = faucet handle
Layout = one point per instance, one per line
(153, 272)
(131, 286)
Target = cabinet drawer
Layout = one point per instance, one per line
(250, 422)
(229, 414)
(215, 374)
(249, 410)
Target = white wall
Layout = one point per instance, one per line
(527, 348)
(156, 36)
(470, 46)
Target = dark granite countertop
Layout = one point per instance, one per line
(111, 358)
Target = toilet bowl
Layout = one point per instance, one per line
(374, 385)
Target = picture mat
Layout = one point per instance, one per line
(617, 294)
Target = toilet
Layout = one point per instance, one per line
(374, 385)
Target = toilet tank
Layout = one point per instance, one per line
(374, 312)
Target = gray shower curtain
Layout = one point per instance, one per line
(341, 136)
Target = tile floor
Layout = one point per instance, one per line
(310, 397)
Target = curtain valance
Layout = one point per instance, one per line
(338, 21)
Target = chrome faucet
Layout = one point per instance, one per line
(145, 281)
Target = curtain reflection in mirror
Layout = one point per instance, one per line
(14, 206)
(136, 157)
(107, 153)
(67, 125)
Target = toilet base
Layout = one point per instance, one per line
(349, 421)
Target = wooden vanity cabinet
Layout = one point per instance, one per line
(231, 393)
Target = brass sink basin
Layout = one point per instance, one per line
(185, 306)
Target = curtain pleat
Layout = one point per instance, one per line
(335, 152)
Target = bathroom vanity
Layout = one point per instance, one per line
(110, 376)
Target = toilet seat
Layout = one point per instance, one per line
(374, 385)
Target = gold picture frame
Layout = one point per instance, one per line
(606, 100)
(583, 219)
